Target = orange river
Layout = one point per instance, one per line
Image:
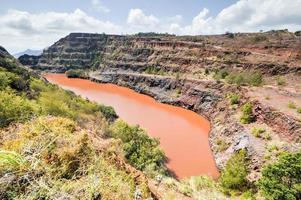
(183, 134)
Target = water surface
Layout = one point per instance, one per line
(183, 134)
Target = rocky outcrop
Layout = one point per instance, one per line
(29, 60)
(3, 52)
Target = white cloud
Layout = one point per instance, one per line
(21, 30)
(98, 6)
(242, 16)
(137, 17)
(248, 15)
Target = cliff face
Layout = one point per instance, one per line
(271, 53)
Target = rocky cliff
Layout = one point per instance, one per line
(272, 53)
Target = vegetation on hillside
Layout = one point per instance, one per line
(140, 150)
(47, 150)
(76, 73)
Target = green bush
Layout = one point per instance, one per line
(299, 110)
(14, 108)
(233, 98)
(255, 79)
(247, 114)
(76, 73)
(234, 175)
(220, 74)
(141, 151)
(257, 132)
(57, 102)
(280, 81)
(282, 180)
(108, 112)
(292, 105)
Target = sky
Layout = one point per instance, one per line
(36, 24)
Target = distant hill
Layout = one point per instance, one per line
(28, 52)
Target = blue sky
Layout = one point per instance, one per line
(36, 24)
(119, 9)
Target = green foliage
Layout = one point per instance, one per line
(247, 114)
(233, 98)
(76, 73)
(257, 132)
(11, 161)
(220, 74)
(252, 78)
(154, 70)
(282, 180)
(248, 195)
(259, 38)
(255, 79)
(140, 150)
(222, 145)
(61, 160)
(292, 105)
(57, 102)
(234, 175)
(14, 108)
(207, 72)
(299, 110)
(280, 81)
(245, 78)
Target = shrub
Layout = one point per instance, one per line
(255, 79)
(76, 73)
(233, 98)
(247, 114)
(259, 38)
(234, 175)
(14, 108)
(221, 74)
(257, 132)
(292, 105)
(280, 81)
(299, 110)
(222, 145)
(4, 80)
(207, 71)
(141, 151)
(281, 180)
(245, 78)
(108, 112)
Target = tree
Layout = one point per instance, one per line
(234, 176)
(282, 180)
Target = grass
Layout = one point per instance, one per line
(11, 161)
(62, 158)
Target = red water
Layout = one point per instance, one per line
(183, 134)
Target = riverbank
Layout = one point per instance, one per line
(209, 99)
